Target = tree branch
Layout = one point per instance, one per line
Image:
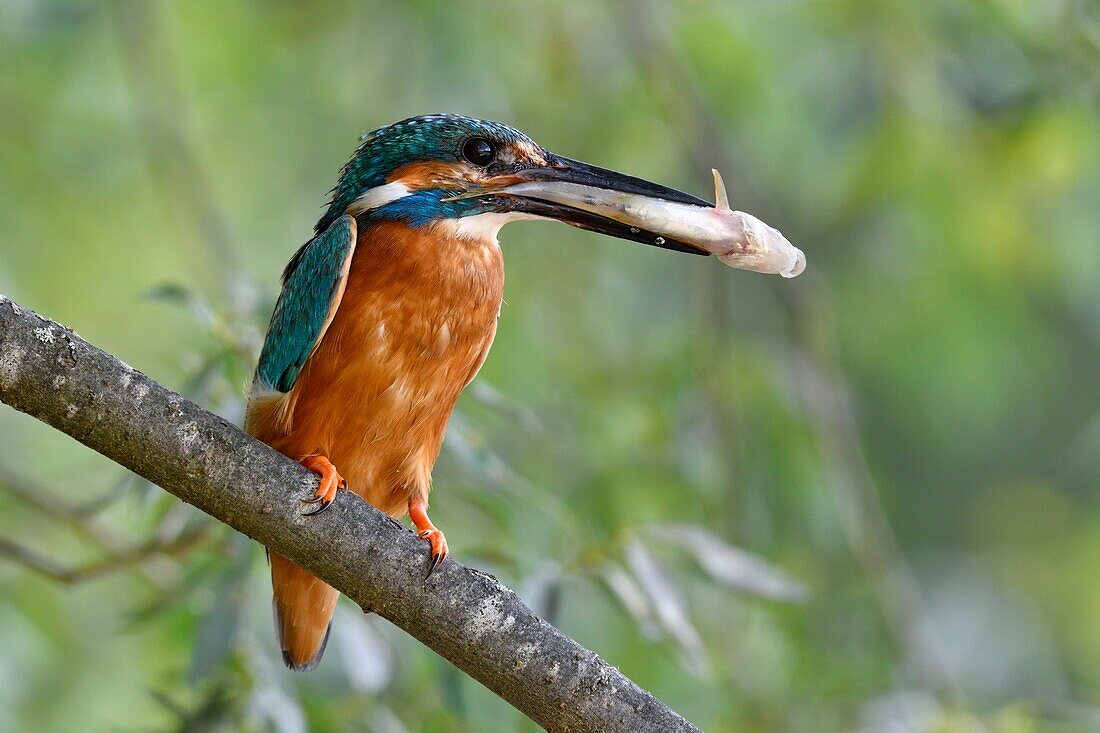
(466, 616)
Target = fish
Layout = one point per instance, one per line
(736, 238)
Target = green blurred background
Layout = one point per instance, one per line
(862, 500)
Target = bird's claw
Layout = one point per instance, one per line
(438, 548)
(330, 484)
(324, 505)
(425, 530)
(320, 497)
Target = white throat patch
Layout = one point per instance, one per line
(482, 227)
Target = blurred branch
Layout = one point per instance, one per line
(466, 616)
(15, 552)
(83, 521)
(33, 493)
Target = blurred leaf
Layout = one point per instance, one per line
(367, 659)
(631, 597)
(281, 711)
(903, 711)
(214, 712)
(169, 292)
(668, 603)
(470, 447)
(218, 626)
(382, 719)
(733, 566)
(541, 590)
(185, 297)
(488, 395)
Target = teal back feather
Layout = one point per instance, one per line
(312, 277)
(309, 287)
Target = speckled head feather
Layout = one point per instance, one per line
(433, 140)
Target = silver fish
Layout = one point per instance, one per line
(738, 239)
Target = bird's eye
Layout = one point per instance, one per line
(479, 151)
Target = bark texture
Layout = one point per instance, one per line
(466, 616)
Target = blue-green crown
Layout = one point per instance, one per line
(423, 138)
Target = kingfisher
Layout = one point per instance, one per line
(388, 313)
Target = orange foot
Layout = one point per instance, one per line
(331, 482)
(418, 513)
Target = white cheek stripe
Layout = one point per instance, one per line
(378, 196)
(476, 227)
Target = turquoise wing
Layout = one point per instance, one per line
(313, 285)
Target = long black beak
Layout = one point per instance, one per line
(597, 199)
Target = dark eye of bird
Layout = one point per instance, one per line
(479, 151)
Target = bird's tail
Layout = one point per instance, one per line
(303, 608)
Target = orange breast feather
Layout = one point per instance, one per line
(418, 315)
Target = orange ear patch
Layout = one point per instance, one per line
(429, 174)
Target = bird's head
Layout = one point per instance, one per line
(478, 175)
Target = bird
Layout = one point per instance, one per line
(389, 311)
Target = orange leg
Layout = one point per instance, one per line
(331, 482)
(418, 513)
